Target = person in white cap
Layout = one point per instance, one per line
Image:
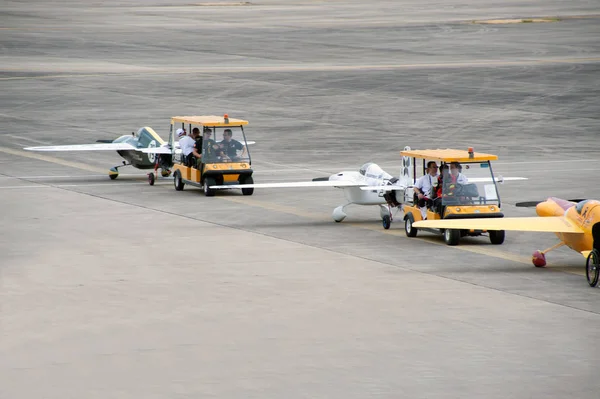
(186, 143)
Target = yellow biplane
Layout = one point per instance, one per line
(576, 224)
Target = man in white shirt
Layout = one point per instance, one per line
(424, 187)
(186, 143)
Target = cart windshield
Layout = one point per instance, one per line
(468, 184)
(224, 144)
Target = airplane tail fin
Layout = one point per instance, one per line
(407, 177)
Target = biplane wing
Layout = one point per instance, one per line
(551, 224)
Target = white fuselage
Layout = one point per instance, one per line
(371, 175)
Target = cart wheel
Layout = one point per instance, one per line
(387, 221)
(451, 236)
(249, 190)
(497, 236)
(592, 268)
(151, 178)
(408, 227)
(209, 181)
(177, 181)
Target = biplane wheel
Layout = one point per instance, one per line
(592, 268)
(151, 178)
(386, 221)
(408, 227)
(249, 190)
(497, 236)
(177, 181)
(451, 236)
(113, 173)
(209, 181)
(538, 259)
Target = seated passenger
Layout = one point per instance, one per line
(210, 148)
(424, 187)
(197, 149)
(186, 143)
(456, 174)
(230, 146)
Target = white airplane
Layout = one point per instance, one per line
(370, 185)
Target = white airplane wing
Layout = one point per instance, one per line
(84, 147)
(498, 179)
(393, 187)
(325, 183)
(385, 188)
(157, 150)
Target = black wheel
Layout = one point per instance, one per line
(209, 181)
(497, 236)
(592, 268)
(113, 173)
(451, 236)
(408, 227)
(387, 221)
(177, 181)
(248, 190)
(151, 178)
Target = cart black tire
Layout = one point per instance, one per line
(209, 192)
(497, 236)
(248, 190)
(451, 236)
(177, 181)
(386, 221)
(151, 178)
(592, 268)
(408, 227)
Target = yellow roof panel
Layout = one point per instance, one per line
(208, 120)
(449, 155)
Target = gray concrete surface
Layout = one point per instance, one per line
(119, 289)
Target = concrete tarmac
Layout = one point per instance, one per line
(121, 289)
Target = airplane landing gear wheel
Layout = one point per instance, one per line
(177, 181)
(538, 259)
(387, 221)
(151, 178)
(592, 268)
(451, 236)
(113, 173)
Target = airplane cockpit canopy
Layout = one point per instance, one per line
(579, 207)
(363, 169)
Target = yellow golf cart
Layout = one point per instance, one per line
(467, 189)
(225, 156)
